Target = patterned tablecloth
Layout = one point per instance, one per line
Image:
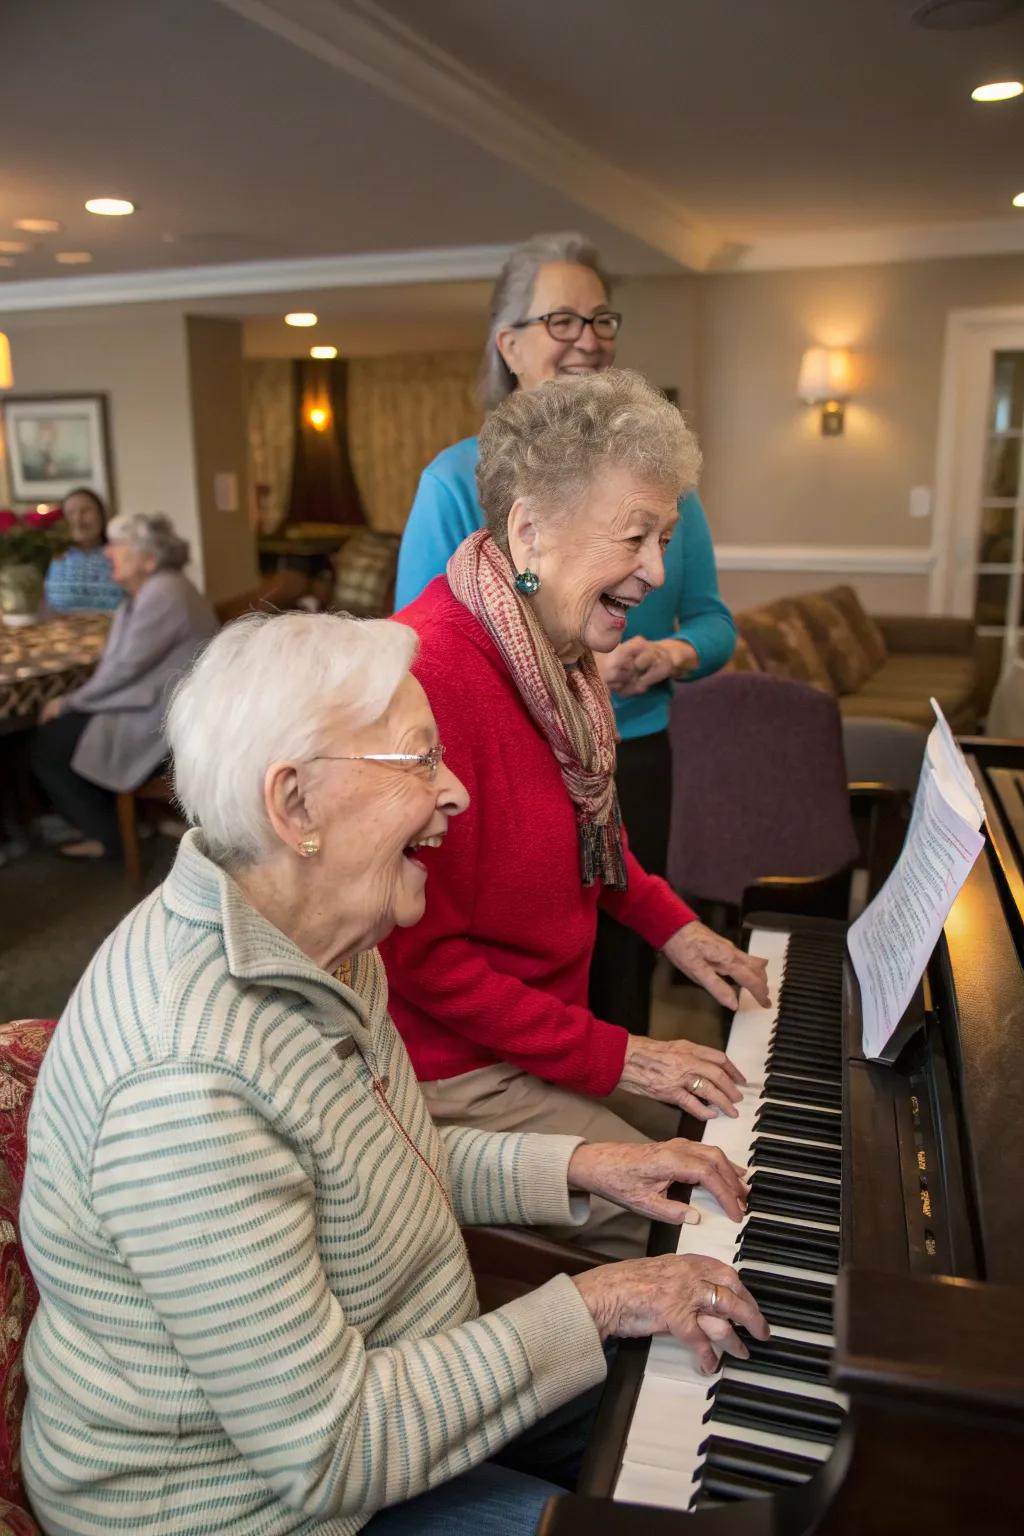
(44, 660)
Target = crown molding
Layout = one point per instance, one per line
(453, 264)
(865, 247)
(364, 41)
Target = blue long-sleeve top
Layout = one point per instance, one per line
(82, 578)
(688, 606)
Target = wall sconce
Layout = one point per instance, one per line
(319, 418)
(825, 381)
(6, 371)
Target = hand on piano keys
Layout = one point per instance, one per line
(639, 1177)
(690, 1297)
(706, 958)
(696, 1078)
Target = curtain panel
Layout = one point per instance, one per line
(401, 412)
(270, 416)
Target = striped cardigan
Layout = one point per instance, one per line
(257, 1313)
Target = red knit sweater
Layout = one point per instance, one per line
(497, 968)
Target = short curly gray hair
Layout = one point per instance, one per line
(151, 533)
(510, 301)
(546, 445)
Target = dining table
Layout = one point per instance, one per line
(44, 660)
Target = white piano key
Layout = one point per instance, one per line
(663, 1487)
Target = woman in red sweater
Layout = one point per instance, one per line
(580, 481)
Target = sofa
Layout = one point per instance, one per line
(883, 668)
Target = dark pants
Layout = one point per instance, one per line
(623, 964)
(88, 807)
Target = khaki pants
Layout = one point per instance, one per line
(503, 1098)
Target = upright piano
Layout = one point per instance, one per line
(884, 1242)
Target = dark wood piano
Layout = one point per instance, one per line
(885, 1244)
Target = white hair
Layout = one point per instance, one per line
(266, 690)
(151, 533)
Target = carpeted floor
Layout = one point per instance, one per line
(53, 917)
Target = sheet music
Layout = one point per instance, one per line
(892, 940)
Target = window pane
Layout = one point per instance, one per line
(1008, 392)
(995, 540)
(1002, 468)
(993, 594)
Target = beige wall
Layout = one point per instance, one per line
(140, 364)
(878, 593)
(770, 477)
(658, 335)
(217, 403)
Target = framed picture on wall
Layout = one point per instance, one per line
(55, 443)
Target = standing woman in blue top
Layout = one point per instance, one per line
(82, 578)
(551, 317)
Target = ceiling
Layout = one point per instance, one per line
(679, 133)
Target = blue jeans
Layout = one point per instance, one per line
(504, 1497)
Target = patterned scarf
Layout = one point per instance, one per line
(571, 707)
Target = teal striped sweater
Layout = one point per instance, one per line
(256, 1312)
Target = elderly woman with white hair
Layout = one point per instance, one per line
(256, 1309)
(106, 735)
(580, 481)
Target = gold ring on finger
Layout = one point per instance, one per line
(713, 1303)
(697, 1085)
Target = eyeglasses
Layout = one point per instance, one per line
(567, 325)
(427, 763)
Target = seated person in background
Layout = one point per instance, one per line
(106, 735)
(580, 480)
(81, 577)
(256, 1309)
(551, 318)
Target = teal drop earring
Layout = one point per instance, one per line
(527, 582)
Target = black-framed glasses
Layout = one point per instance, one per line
(567, 325)
(428, 763)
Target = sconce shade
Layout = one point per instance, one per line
(6, 371)
(824, 375)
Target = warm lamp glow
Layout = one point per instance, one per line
(300, 317)
(999, 90)
(110, 207)
(319, 418)
(13, 247)
(1018, 201)
(39, 226)
(73, 258)
(326, 353)
(6, 371)
(825, 380)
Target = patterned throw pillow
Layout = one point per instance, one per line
(864, 627)
(835, 641)
(364, 580)
(742, 658)
(780, 641)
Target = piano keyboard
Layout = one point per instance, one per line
(762, 1424)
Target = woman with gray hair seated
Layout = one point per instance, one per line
(580, 481)
(106, 735)
(256, 1310)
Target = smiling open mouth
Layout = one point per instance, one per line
(410, 849)
(617, 606)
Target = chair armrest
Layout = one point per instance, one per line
(800, 895)
(927, 634)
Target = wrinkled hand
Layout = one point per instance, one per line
(697, 1300)
(697, 1078)
(658, 660)
(618, 667)
(638, 1176)
(706, 957)
(50, 710)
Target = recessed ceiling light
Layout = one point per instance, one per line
(324, 352)
(300, 317)
(13, 247)
(39, 226)
(113, 207)
(999, 90)
(73, 258)
(1018, 201)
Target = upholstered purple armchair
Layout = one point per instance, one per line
(759, 786)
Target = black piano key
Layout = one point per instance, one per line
(776, 1247)
(793, 1196)
(789, 1302)
(719, 1486)
(776, 1469)
(799, 1090)
(786, 1357)
(806, 1122)
(773, 1152)
(820, 1069)
(781, 1413)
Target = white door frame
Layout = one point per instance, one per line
(972, 337)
